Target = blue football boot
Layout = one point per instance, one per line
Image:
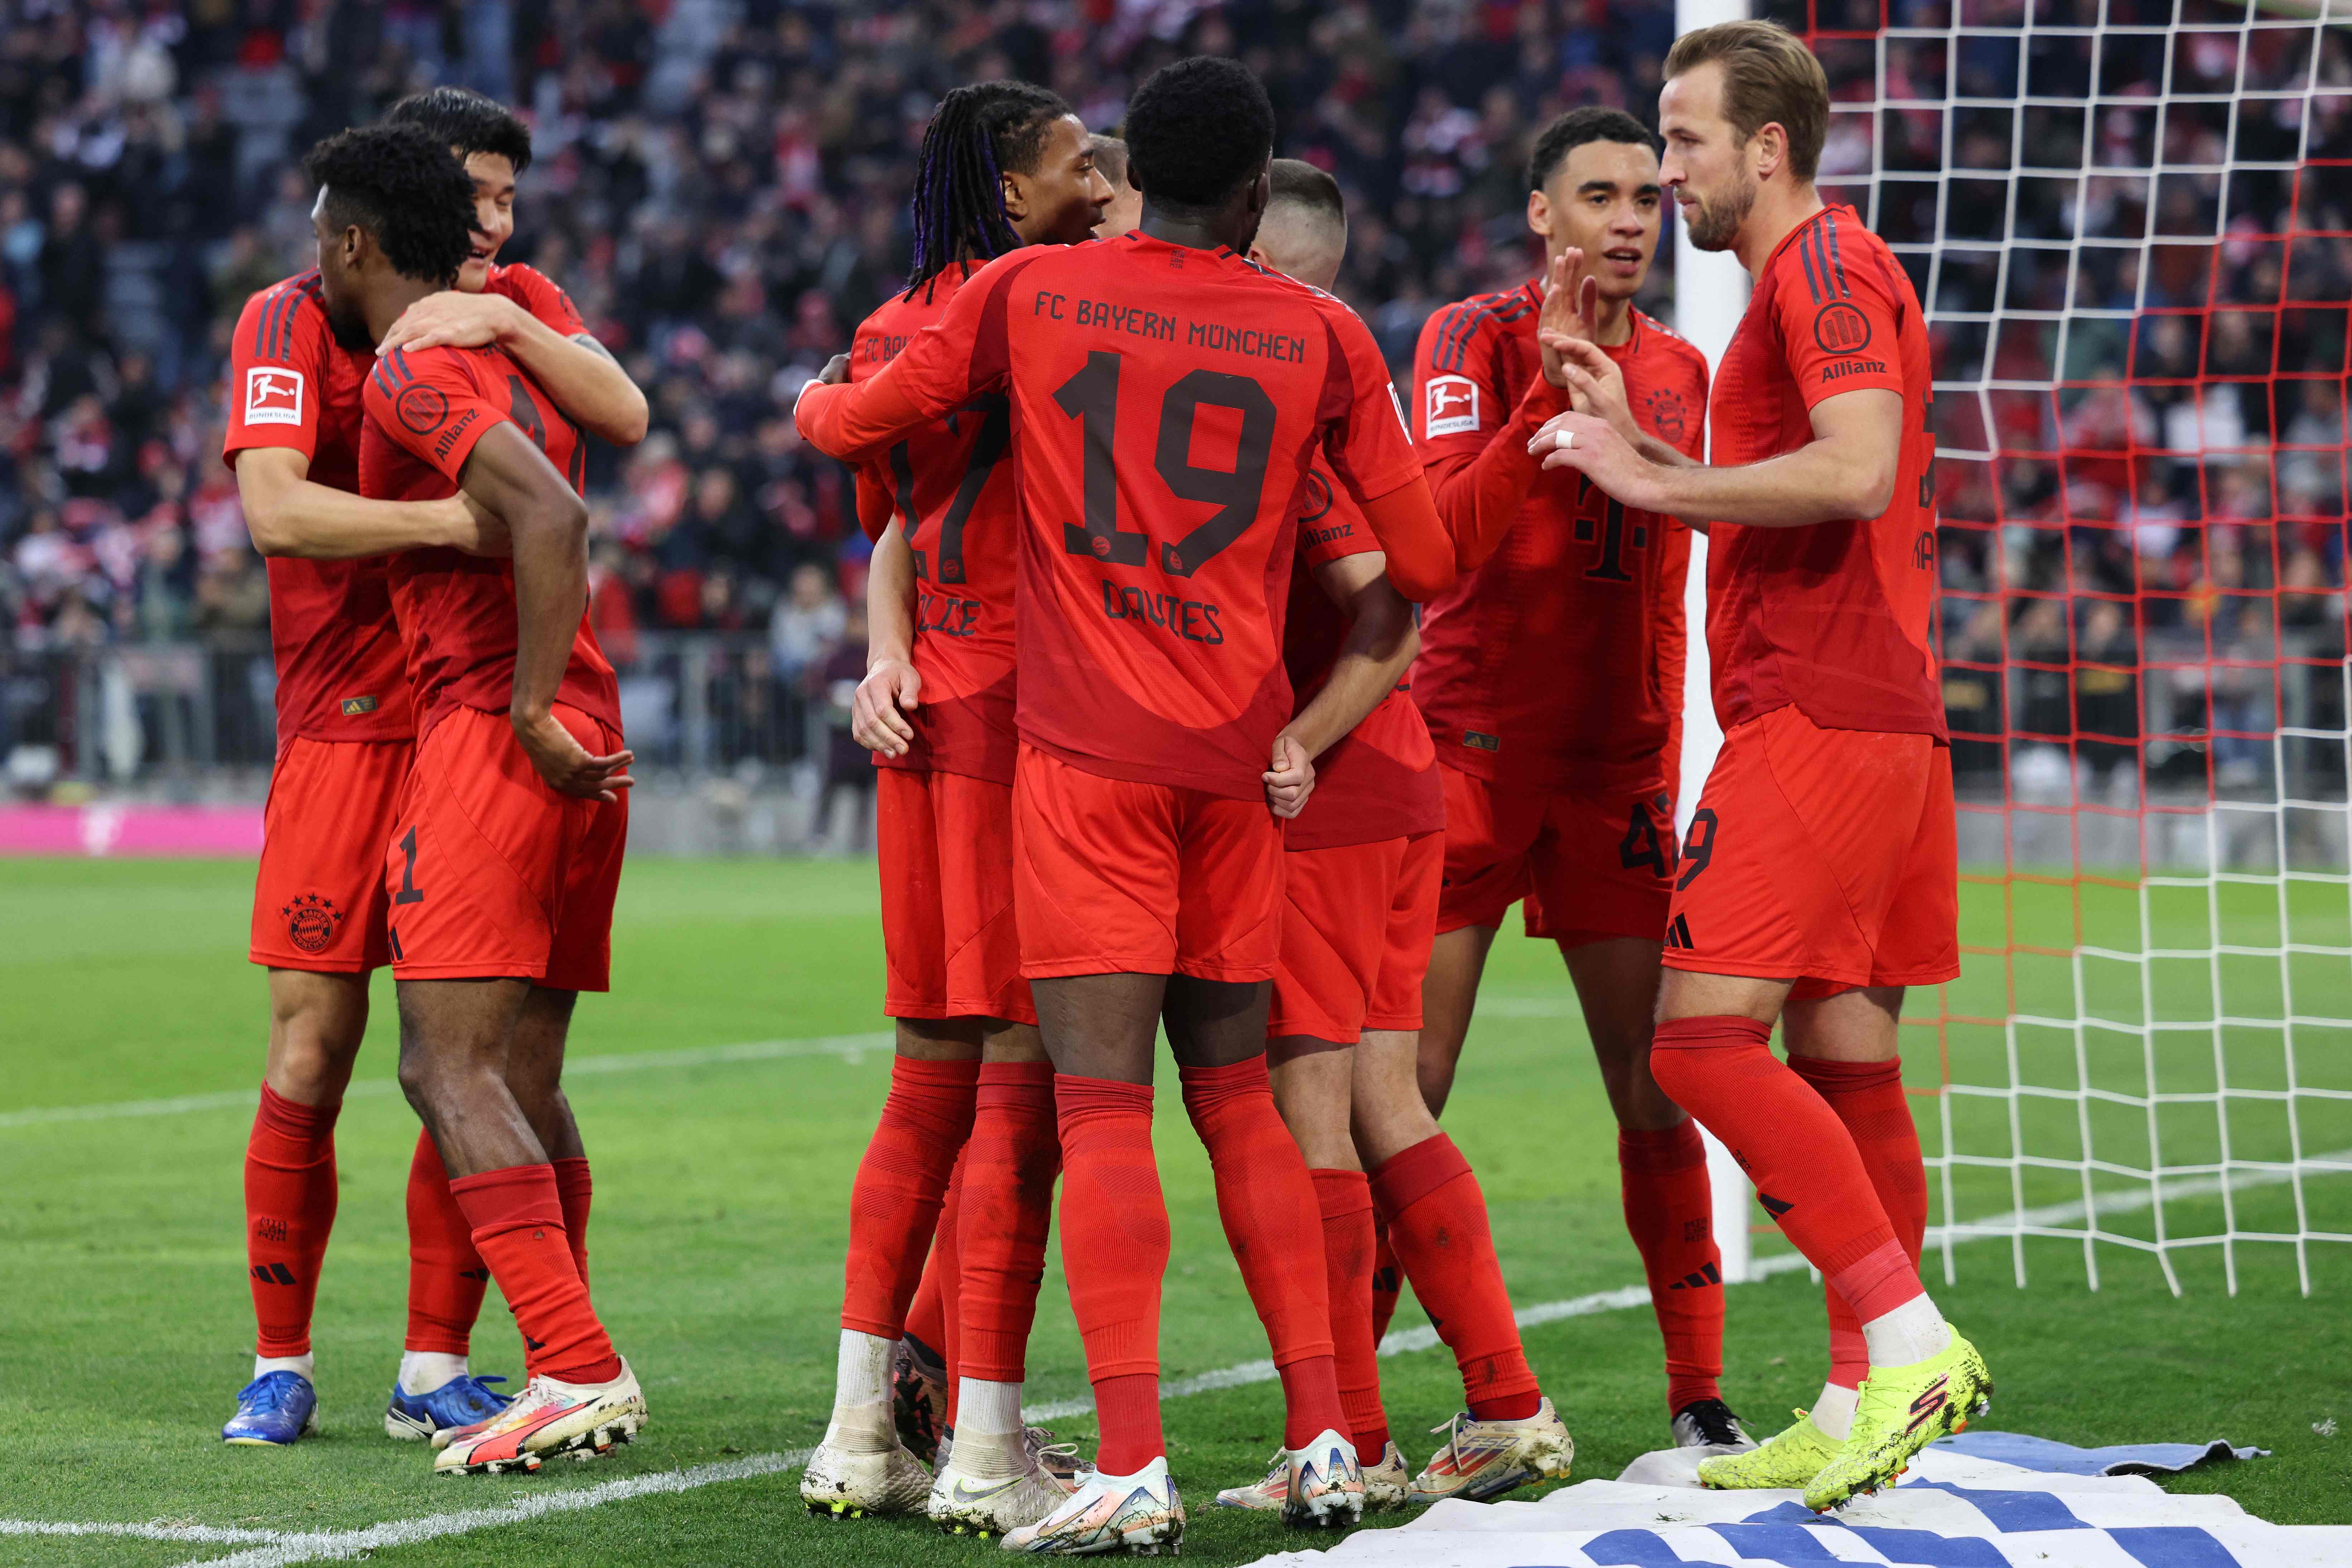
(460, 1402)
(272, 1410)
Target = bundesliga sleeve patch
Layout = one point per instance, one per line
(1453, 405)
(273, 396)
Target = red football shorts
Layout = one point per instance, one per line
(319, 902)
(493, 875)
(1357, 923)
(1827, 855)
(1119, 877)
(1590, 868)
(949, 936)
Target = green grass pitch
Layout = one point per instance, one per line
(721, 1209)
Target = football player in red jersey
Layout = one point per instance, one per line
(1005, 164)
(1560, 791)
(1821, 877)
(345, 734)
(1361, 868)
(507, 838)
(1166, 398)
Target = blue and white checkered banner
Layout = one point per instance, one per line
(2044, 1506)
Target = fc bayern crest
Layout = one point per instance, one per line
(311, 921)
(1665, 407)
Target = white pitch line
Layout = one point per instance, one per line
(140, 1531)
(851, 1049)
(341, 1545)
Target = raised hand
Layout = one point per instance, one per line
(1571, 304)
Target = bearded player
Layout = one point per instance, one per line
(1820, 878)
(1559, 791)
(345, 736)
(508, 831)
(1005, 164)
(1166, 396)
(1362, 864)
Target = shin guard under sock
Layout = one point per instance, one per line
(518, 1230)
(1437, 1223)
(1868, 1097)
(894, 1206)
(1670, 1212)
(289, 1209)
(1114, 1253)
(446, 1276)
(1345, 1198)
(1008, 1194)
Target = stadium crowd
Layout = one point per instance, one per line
(722, 188)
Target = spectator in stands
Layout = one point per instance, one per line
(809, 624)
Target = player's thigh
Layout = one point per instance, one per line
(1229, 889)
(1762, 893)
(318, 899)
(1390, 1114)
(1409, 932)
(1334, 928)
(1102, 1025)
(1918, 937)
(1617, 988)
(316, 1023)
(973, 817)
(1313, 1088)
(913, 928)
(1449, 989)
(1097, 873)
(588, 881)
(1214, 1023)
(456, 1030)
(477, 870)
(1858, 1024)
(1602, 868)
(1488, 832)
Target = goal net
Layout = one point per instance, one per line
(2131, 226)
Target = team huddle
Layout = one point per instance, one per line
(1210, 691)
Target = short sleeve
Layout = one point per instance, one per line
(277, 372)
(1837, 317)
(1370, 448)
(1458, 400)
(537, 292)
(1330, 524)
(428, 406)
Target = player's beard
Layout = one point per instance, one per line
(1714, 225)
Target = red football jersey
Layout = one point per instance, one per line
(1165, 402)
(1379, 780)
(1557, 664)
(457, 612)
(1831, 618)
(951, 491)
(339, 656)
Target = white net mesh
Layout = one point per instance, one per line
(2132, 228)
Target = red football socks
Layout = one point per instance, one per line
(517, 1221)
(1267, 1204)
(1868, 1097)
(926, 1322)
(947, 1253)
(1008, 1195)
(446, 1275)
(289, 1208)
(1387, 1278)
(1670, 1212)
(574, 1189)
(1345, 1198)
(1809, 1176)
(1437, 1223)
(1115, 1252)
(894, 1207)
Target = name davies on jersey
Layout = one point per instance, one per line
(1194, 620)
(1139, 320)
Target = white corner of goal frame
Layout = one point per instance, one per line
(1953, 1510)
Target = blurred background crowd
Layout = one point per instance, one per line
(2156, 562)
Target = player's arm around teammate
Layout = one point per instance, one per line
(518, 309)
(1820, 880)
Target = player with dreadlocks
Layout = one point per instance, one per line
(1005, 164)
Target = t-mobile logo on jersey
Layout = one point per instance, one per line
(273, 396)
(1453, 405)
